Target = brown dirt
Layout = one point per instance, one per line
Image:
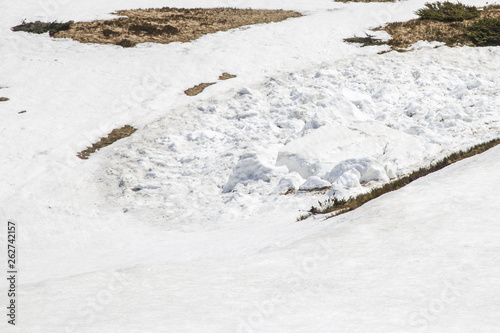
(3, 99)
(407, 33)
(226, 76)
(167, 25)
(198, 89)
(115, 135)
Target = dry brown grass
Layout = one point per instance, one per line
(198, 89)
(3, 99)
(115, 135)
(226, 76)
(167, 25)
(407, 33)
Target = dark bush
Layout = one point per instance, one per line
(484, 32)
(169, 30)
(447, 12)
(153, 30)
(38, 27)
(108, 32)
(126, 43)
(369, 40)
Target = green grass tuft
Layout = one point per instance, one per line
(484, 32)
(447, 12)
(369, 40)
(42, 27)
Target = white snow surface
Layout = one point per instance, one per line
(189, 224)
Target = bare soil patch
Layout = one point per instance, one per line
(198, 89)
(115, 135)
(167, 25)
(407, 33)
(3, 99)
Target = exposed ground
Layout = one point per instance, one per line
(198, 89)
(167, 25)
(226, 76)
(407, 33)
(115, 135)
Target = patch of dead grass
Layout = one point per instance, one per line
(198, 89)
(226, 76)
(167, 25)
(115, 135)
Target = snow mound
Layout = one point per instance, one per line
(314, 183)
(291, 181)
(354, 172)
(329, 143)
(250, 168)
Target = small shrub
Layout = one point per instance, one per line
(447, 12)
(152, 30)
(369, 40)
(39, 27)
(126, 43)
(108, 33)
(484, 32)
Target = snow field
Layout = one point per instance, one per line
(184, 227)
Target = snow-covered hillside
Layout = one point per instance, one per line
(185, 225)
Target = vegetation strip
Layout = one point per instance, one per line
(340, 206)
(157, 25)
(115, 135)
(450, 23)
